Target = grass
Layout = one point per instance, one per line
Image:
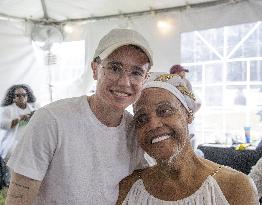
(3, 193)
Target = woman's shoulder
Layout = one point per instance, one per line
(236, 186)
(227, 177)
(132, 178)
(228, 174)
(126, 184)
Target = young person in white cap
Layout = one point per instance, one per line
(180, 177)
(75, 151)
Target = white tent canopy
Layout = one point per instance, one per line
(90, 20)
(66, 10)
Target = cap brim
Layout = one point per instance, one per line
(115, 46)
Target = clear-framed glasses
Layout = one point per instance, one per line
(115, 70)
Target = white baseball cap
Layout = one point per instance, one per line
(120, 37)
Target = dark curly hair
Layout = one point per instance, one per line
(10, 94)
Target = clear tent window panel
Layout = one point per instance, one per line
(236, 71)
(256, 70)
(64, 64)
(225, 69)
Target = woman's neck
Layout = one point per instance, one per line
(22, 106)
(183, 168)
(105, 114)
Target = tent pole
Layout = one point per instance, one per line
(44, 9)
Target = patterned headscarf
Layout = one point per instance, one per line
(174, 84)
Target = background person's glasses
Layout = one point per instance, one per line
(20, 95)
(115, 71)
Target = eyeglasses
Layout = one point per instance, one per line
(20, 95)
(114, 71)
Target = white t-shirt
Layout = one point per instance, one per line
(79, 160)
(12, 135)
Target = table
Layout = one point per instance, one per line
(225, 155)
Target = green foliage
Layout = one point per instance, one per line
(3, 193)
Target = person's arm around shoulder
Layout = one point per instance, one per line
(126, 184)
(239, 189)
(22, 190)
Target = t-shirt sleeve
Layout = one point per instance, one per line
(37, 146)
(5, 118)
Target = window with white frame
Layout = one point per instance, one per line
(69, 66)
(64, 63)
(225, 68)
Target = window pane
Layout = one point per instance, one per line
(213, 126)
(235, 95)
(214, 73)
(215, 37)
(214, 96)
(237, 71)
(187, 51)
(70, 61)
(251, 46)
(256, 71)
(195, 74)
(256, 112)
(255, 95)
(194, 49)
(235, 112)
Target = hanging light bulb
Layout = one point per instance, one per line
(164, 26)
(68, 28)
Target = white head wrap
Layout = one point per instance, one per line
(174, 84)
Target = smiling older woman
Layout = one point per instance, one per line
(162, 115)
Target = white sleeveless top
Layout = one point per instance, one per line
(208, 194)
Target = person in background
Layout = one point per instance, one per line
(240, 98)
(76, 151)
(181, 71)
(17, 108)
(256, 175)
(180, 177)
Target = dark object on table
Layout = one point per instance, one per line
(228, 156)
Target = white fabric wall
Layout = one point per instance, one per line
(18, 63)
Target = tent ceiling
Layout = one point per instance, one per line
(63, 10)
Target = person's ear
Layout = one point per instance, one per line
(94, 66)
(144, 80)
(147, 74)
